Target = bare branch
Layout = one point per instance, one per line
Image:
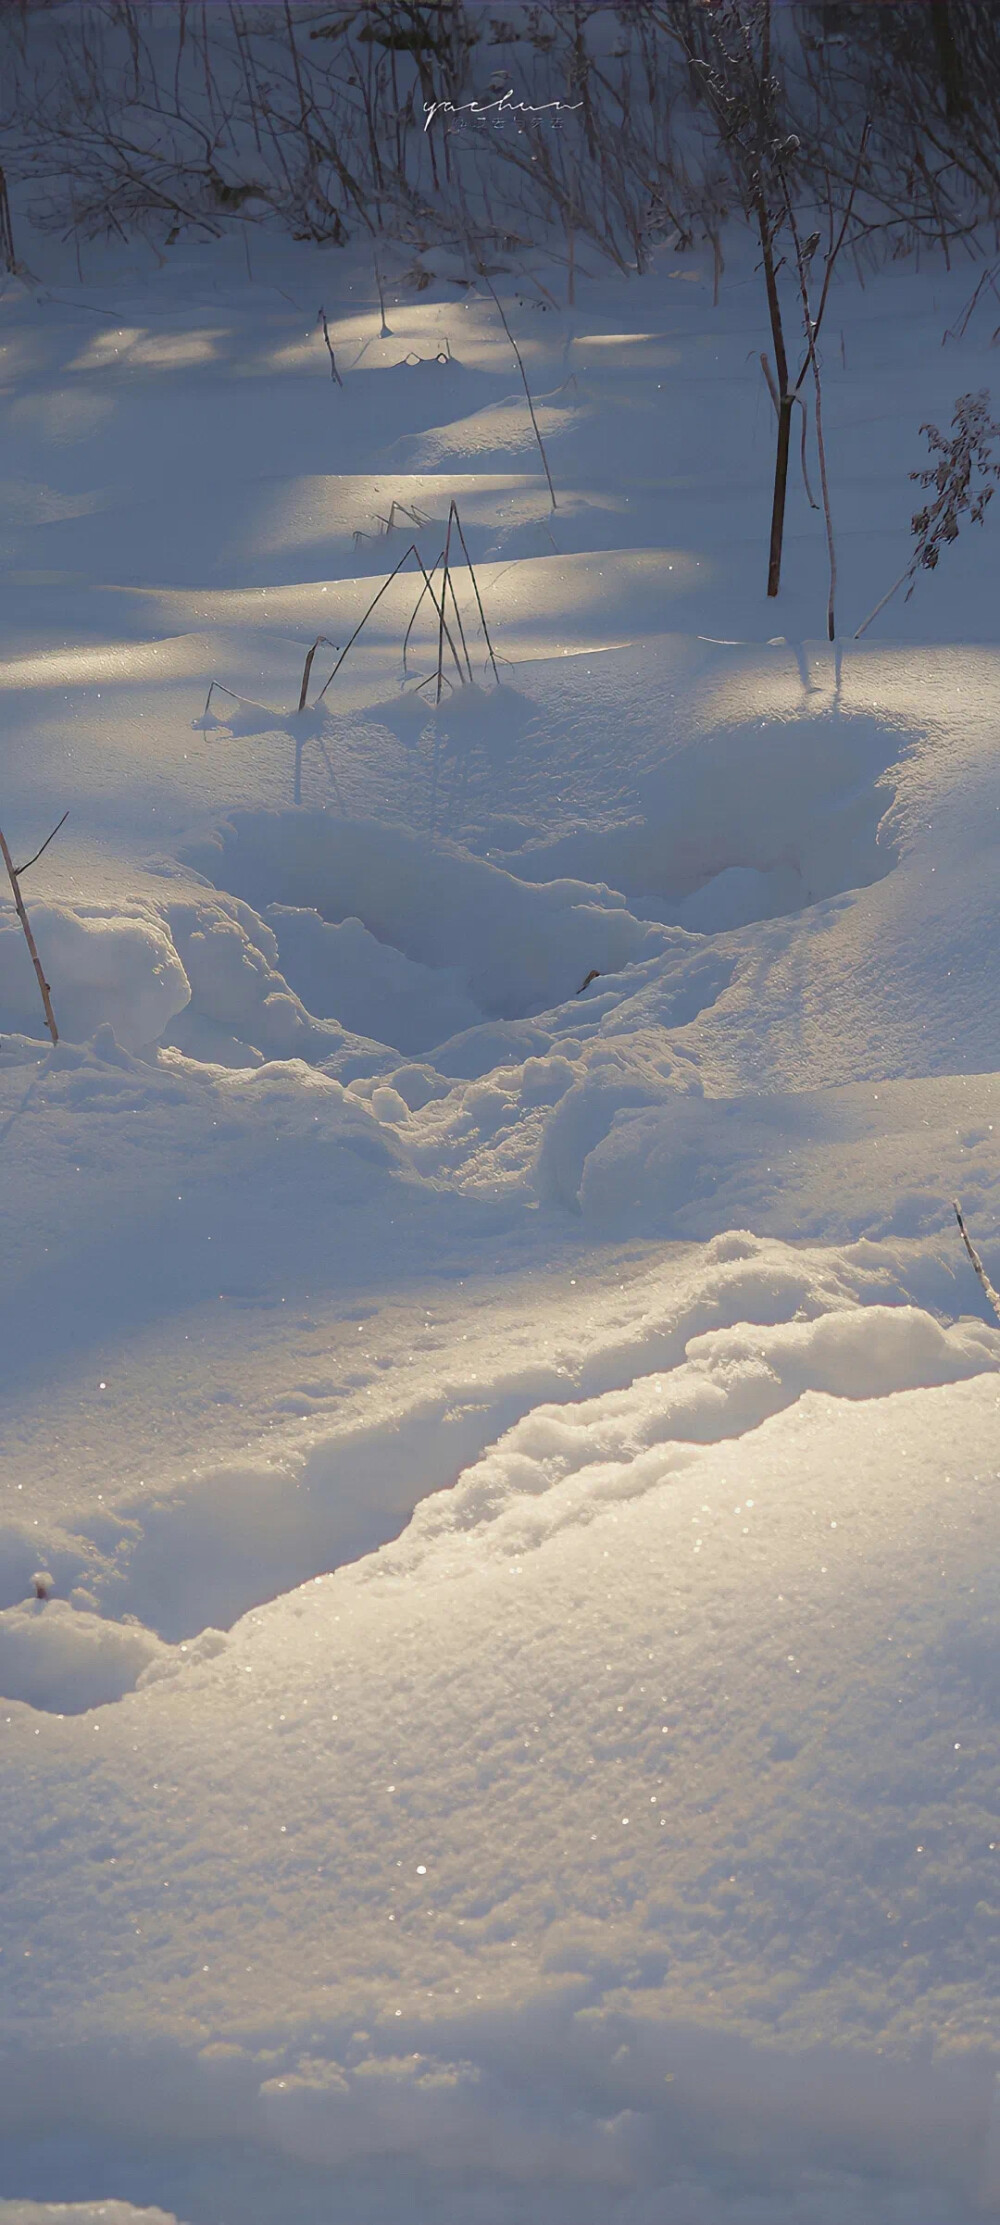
(334, 373)
(13, 877)
(19, 869)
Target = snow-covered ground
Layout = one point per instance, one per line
(490, 1369)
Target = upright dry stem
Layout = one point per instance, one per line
(475, 590)
(334, 373)
(527, 389)
(14, 877)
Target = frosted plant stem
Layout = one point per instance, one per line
(992, 1295)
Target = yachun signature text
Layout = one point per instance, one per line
(505, 102)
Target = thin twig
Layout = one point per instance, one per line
(958, 330)
(992, 1295)
(887, 598)
(385, 333)
(475, 590)
(771, 388)
(13, 875)
(334, 373)
(415, 613)
(444, 597)
(837, 244)
(387, 582)
(811, 327)
(246, 700)
(527, 390)
(19, 869)
(320, 641)
(813, 504)
(428, 589)
(458, 621)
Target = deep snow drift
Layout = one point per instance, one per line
(490, 1368)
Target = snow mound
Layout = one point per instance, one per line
(104, 966)
(578, 1459)
(64, 1659)
(518, 1455)
(241, 1010)
(746, 819)
(515, 947)
(488, 438)
(344, 973)
(821, 1164)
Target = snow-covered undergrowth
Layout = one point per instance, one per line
(490, 1368)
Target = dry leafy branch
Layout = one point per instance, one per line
(955, 494)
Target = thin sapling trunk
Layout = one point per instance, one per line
(786, 401)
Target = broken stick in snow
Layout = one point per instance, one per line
(14, 873)
(976, 1261)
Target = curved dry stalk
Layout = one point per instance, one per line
(527, 389)
(246, 700)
